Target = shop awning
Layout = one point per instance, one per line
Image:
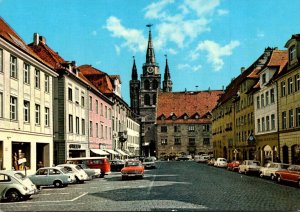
(99, 152)
(121, 152)
(111, 151)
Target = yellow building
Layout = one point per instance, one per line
(288, 85)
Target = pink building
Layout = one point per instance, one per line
(100, 120)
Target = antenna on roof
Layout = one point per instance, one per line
(196, 87)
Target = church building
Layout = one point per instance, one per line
(143, 96)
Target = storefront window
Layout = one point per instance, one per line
(20, 150)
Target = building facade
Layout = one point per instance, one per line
(185, 128)
(288, 85)
(26, 105)
(266, 110)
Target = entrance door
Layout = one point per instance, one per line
(43, 154)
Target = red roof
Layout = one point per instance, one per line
(12, 37)
(190, 103)
(279, 58)
(99, 79)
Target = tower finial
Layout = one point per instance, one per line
(166, 56)
(149, 26)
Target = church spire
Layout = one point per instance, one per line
(167, 75)
(150, 56)
(167, 83)
(134, 75)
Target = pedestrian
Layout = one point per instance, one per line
(40, 165)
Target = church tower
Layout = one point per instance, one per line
(150, 86)
(134, 90)
(167, 83)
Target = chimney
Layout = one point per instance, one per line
(35, 39)
(43, 39)
(242, 69)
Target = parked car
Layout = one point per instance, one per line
(149, 163)
(184, 158)
(56, 176)
(133, 168)
(201, 158)
(220, 162)
(116, 165)
(270, 168)
(80, 174)
(92, 173)
(233, 165)
(291, 174)
(15, 186)
(211, 161)
(249, 166)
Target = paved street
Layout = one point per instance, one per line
(174, 185)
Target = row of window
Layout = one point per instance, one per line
(13, 70)
(147, 99)
(191, 128)
(243, 136)
(291, 121)
(191, 141)
(13, 111)
(265, 99)
(105, 132)
(245, 119)
(293, 85)
(266, 123)
(148, 85)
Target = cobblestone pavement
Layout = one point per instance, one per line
(173, 186)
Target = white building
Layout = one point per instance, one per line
(133, 137)
(266, 107)
(26, 104)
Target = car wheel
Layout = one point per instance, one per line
(279, 179)
(57, 184)
(13, 195)
(273, 177)
(102, 174)
(261, 175)
(240, 171)
(123, 178)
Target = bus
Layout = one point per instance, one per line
(101, 163)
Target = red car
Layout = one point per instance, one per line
(292, 174)
(133, 168)
(233, 165)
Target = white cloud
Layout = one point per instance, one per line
(215, 52)
(134, 39)
(188, 67)
(155, 10)
(202, 7)
(98, 62)
(118, 49)
(172, 51)
(222, 12)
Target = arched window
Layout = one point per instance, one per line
(155, 84)
(147, 99)
(146, 85)
(154, 99)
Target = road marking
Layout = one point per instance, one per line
(151, 185)
(71, 200)
(53, 193)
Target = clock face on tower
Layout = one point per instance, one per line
(150, 70)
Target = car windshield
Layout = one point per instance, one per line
(255, 163)
(132, 163)
(63, 170)
(83, 166)
(78, 167)
(148, 160)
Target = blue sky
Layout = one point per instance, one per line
(207, 41)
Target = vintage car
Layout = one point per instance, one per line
(133, 168)
(291, 174)
(201, 158)
(80, 174)
(249, 166)
(149, 163)
(15, 186)
(211, 162)
(92, 173)
(270, 168)
(233, 165)
(56, 176)
(116, 165)
(220, 162)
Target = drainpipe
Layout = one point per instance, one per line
(277, 110)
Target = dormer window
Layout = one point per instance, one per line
(185, 117)
(173, 117)
(263, 79)
(162, 118)
(197, 116)
(292, 53)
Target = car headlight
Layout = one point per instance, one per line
(25, 188)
